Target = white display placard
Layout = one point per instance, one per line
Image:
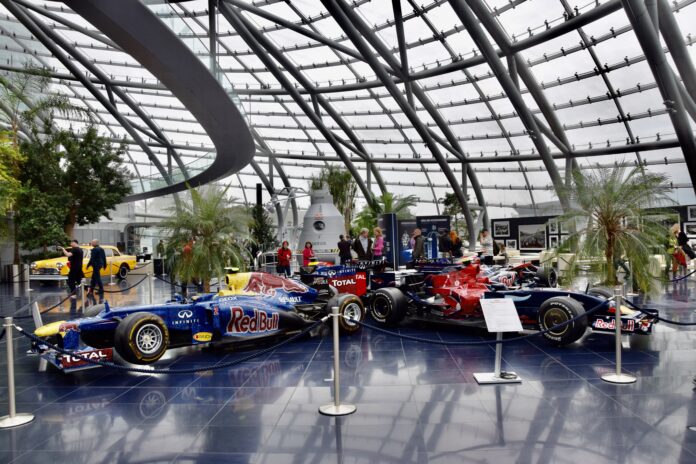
(501, 315)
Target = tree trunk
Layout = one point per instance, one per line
(609, 253)
(70, 223)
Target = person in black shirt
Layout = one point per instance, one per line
(75, 256)
(344, 250)
(444, 243)
(97, 261)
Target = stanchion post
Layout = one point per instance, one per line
(618, 377)
(82, 294)
(336, 408)
(13, 419)
(149, 284)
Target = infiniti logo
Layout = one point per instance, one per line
(185, 313)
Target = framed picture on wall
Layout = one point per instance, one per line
(690, 229)
(532, 236)
(553, 241)
(501, 229)
(512, 243)
(564, 228)
(553, 227)
(691, 213)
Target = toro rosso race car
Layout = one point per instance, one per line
(257, 305)
(454, 297)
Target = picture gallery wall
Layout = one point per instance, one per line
(534, 234)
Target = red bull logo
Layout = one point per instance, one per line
(267, 284)
(256, 323)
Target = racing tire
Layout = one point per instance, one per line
(348, 306)
(123, 272)
(388, 306)
(601, 292)
(560, 309)
(141, 338)
(547, 277)
(93, 310)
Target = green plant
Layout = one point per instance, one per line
(10, 160)
(261, 229)
(386, 203)
(610, 213)
(206, 235)
(342, 188)
(452, 207)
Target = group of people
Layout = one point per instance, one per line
(449, 245)
(679, 250)
(364, 248)
(97, 261)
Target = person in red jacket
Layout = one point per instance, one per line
(307, 254)
(284, 257)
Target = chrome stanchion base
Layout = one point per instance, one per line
(18, 419)
(340, 410)
(618, 378)
(485, 378)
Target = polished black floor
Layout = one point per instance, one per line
(416, 402)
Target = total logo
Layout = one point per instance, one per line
(255, 323)
(68, 361)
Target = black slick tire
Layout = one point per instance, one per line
(141, 338)
(601, 292)
(388, 306)
(560, 309)
(123, 271)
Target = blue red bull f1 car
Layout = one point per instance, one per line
(256, 305)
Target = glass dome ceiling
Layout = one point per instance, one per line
(404, 93)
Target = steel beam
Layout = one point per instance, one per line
(139, 32)
(649, 41)
(675, 42)
(403, 52)
(469, 20)
(265, 50)
(358, 40)
(39, 31)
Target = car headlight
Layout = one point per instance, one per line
(59, 266)
(32, 265)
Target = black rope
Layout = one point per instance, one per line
(191, 370)
(2, 335)
(127, 288)
(480, 342)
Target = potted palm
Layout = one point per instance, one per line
(386, 203)
(615, 216)
(205, 235)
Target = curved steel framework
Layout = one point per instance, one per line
(494, 100)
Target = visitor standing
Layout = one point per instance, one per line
(363, 245)
(418, 245)
(444, 243)
(378, 245)
(160, 249)
(344, 250)
(284, 257)
(456, 244)
(486, 247)
(75, 274)
(307, 254)
(97, 261)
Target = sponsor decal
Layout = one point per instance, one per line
(203, 336)
(64, 327)
(518, 298)
(355, 284)
(290, 299)
(252, 322)
(627, 326)
(216, 310)
(69, 361)
(185, 314)
(267, 284)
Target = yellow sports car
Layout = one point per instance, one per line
(57, 268)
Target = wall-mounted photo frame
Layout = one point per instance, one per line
(501, 229)
(689, 229)
(512, 243)
(564, 228)
(553, 227)
(532, 236)
(553, 242)
(691, 213)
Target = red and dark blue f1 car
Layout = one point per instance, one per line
(452, 295)
(257, 305)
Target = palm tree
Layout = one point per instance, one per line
(213, 229)
(612, 220)
(386, 203)
(342, 188)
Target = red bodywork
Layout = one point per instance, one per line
(461, 289)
